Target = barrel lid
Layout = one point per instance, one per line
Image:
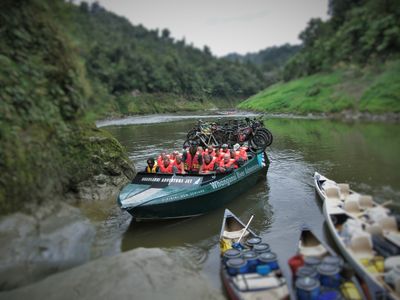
(249, 254)
(329, 270)
(253, 241)
(263, 247)
(231, 253)
(312, 260)
(236, 262)
(267, 257)
(306, 271)
(333, 260)
(307, 283)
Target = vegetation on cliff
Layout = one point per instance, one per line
(46, 145)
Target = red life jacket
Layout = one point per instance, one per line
(230, 163)
(212, 153)
(164, 169)
(243, 153)
(192, 163)
(210, 166)
(160, 159)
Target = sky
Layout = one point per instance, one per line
(225, 26)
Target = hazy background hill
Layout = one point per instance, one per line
(136, 70)
(270, 60)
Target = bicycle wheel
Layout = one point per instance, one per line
(267, 134)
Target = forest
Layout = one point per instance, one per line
(348, 63)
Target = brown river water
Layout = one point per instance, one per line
(366, 155)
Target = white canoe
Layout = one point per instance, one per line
(357, 224)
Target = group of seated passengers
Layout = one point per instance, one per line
(195, 160)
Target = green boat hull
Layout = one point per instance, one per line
(180, 202)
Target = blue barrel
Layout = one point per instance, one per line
(307, 288)
(329, 275)
(312, 261)
(251, 259)
(231, 253)
(306, 271)
(330, 295)
(333, 260)
(268, 258)
(236, 266)
(261, 248)
(253, 241)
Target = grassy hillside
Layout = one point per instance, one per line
(374, 89)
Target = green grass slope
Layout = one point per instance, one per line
(374, 89)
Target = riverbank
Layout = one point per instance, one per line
(371, 92)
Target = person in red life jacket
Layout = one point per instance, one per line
(243, 153)
(152, 166)
(209, 165)
(210, 151)
(224, 149)
(178, 166)
(167, 167)
(192, 160)
(226, 165)
(160, 158)
(218, 155)
(173, 156)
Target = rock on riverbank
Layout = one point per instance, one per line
(55, 237)
(137, 274)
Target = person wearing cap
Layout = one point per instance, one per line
(192, 160)
(224, 148)
(152, 166)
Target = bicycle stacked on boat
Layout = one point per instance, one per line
(250, 131)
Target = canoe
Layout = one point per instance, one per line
(313, 253)
(258, 282)
(169, 196)
(366, 234)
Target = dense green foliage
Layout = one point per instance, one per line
(349, 62)
(46, 148)
(369, 89)
(124, 61)
(271, 60)
(359, 32)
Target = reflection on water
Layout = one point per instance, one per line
(364, 154)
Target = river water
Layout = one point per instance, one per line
(366, 155)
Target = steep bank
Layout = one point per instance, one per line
(374, 89)
(47, 149)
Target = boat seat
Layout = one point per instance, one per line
(392, 261)
(375, 229)
(332, 193)
(366, 201)
(234, 235)
(344, 189)
(388, 223)
(351, 206)
(361, 244)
